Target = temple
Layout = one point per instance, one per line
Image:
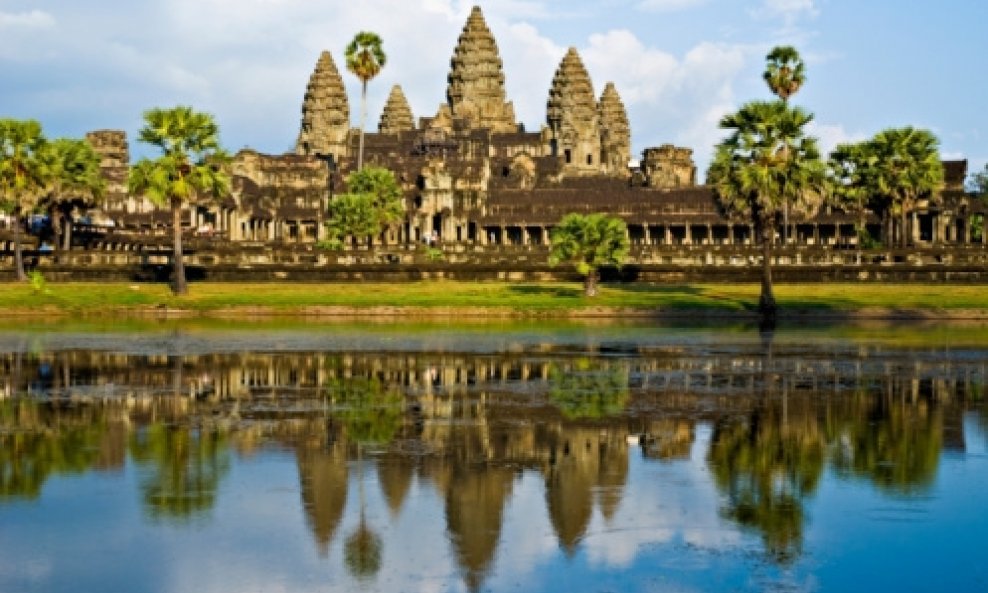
(473, 176)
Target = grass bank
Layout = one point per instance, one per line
(495, 299)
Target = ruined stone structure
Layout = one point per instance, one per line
(472, 176)
(325, 112)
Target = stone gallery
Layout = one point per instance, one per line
(472, 175)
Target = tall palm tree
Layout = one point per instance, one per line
(589, 241)
(23, 175)
(192, 166)
(766, 163)
(365, 58)
(76, 179)
(851, 169)
(785, 72)
(907, 168)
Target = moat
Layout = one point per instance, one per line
(301, 456)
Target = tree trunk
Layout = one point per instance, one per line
(363, 118)
(904, 228)
(67, 232)
(179, 285)
(590, 284)
(56, 228)
(766, 302)
(18, 254)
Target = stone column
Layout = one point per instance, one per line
(667, 238)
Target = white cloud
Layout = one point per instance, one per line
(668, 5)
(35, 19)
(789, 9)
(830, 135)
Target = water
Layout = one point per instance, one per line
(514, 457)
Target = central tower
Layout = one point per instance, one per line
(476, 79)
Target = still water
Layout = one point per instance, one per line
(406, 458)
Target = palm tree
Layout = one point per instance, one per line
(365, 58)
(784, 75)
(192, 167)
(784, 72)
(23, 175)
(907, 168)
(851, 170)
(589, 241)
(766, 163)
(76, 180)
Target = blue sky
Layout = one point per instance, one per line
(679, 65)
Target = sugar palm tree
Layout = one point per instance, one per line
(191, 167)
(907, 168)
(23, 175)
(767, 163)
(589, 241)
(76, 179)
(785, 72)
(365, 58)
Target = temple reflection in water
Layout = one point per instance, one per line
(471, 425)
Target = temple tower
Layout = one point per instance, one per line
(571, 112)
(476, 79)
(397, 115)
(615, 132)
(325, 112)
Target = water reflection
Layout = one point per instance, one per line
(471, 425)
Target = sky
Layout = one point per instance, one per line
(679, 65)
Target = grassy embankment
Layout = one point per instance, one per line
(496, 299)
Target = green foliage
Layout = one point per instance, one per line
(591, 389)
(767, 162)
(371, 413)
(23, 171)
(364, 55)
(75, 171)
(182, 469)
(977, 183)
(977, 224)
(785, 72)
(435, 255)
(373, 202)
(589, 241)
(192, 167)
(37, 281)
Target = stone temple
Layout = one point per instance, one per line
(473, 175)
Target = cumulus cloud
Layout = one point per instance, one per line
(830, 135)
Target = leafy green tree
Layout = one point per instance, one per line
(785, 72)
(850, 168)
(23, 175)
(76, 181)
(192, 167)
(372, 203)
(364, 58)
(767, 164)
(907, 168)
(589, 241)
(978, 183)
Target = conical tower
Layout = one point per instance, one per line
(615, 132)
(571, 113)
(325, 112)
(476, 79)
(397, 115)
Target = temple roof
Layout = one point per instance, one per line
(397, 114)
(325, 110)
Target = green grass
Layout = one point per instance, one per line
(534, 298)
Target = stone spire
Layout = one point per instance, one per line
(325, 112)
(571, 113)
(615, 132)
(476, 79)
(397, 115)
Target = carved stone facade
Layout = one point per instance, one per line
(325, 112)
(397, 115)
(615, 132)
(669, 167)
(476, 80)
(471, 176)
(574, 122)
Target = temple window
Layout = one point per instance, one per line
(569, 156)
(589, 159)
